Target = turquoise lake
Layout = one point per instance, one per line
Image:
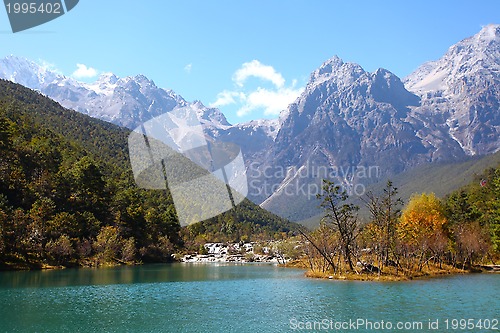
(239, 298)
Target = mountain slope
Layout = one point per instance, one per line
(438, 178)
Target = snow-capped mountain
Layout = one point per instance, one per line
(127, 102)
(476, 55)
(461, 92)
(26, 72)
(130, 101)
(348, 121)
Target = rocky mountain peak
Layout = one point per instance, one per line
(335, 71)
(461, 92)
(488, 33)
(211, 117)
(108, 78)
(479, 54)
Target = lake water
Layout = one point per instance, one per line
(237, 298)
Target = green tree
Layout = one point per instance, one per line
(459, 208)
(42, 211)
(494, 222)
(108, 245)
(5, 134)
(89, 189)
(63, 223)
(129, 251)
(340, 216)
(3, 223)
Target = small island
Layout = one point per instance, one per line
(428, 237)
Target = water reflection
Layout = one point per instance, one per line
(130, 275)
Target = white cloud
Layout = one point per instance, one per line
(269, 101)
(256, 69)
(84, 72)
(227, 97)
(188, 68)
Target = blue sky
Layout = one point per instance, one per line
(247, 57)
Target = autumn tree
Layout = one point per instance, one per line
(421, 226)
(472, 242)
(322, 249)
(108, 245)
(60, 250)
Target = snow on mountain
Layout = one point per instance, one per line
(210, 117)
(105, 85)
(336, 72)
(460, 92)
(124, 101)
(26, 73)
(131, 101)
(479, 54)
(268, 126)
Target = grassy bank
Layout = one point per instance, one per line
(387, 274)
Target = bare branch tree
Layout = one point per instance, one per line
(340, 216)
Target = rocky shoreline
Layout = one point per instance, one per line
(238, 258)
(234, 253)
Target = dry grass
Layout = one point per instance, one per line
(388, 274)
(352, 276)
(299, 263)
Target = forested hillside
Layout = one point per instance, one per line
(67, 195)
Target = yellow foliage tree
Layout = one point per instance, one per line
(422, 219)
